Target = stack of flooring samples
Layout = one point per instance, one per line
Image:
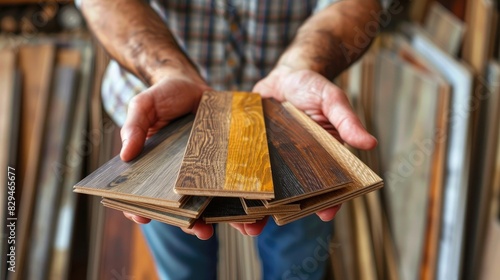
(239, 159)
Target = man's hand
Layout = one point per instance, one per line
(323, 102)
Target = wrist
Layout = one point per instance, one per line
(176, 68)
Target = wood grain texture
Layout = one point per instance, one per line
(36, 64)
(364, 180)
(248, 168)
(61, 249)
(252, 206)
(301, 166)
(50, 178)
(10, 99)
(151, 176)
(164, 217)
(227, 209)
(227, 153)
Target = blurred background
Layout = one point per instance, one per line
(428, 88)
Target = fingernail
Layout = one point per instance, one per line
(124, 143)
(137, 221)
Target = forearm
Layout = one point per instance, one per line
(334, 38)
(135, 36)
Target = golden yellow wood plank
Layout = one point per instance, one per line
(248, 168)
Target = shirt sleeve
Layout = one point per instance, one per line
(321, 4)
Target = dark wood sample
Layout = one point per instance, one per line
(227, 153)
(192, 207)
(151, 176)
(165, 217)
(301, 166)
(253, 206)
(227, 209)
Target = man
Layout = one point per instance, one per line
(170, 52)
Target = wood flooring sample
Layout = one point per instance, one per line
(301, 166)
(227, 152)
(151, 176)
(227, 209)
(161, 216)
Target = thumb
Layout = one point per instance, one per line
(140, 117)
(337, 109)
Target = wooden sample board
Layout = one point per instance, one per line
(191, 208)
(160, 216)
(302, 167)
(258, 207)
(36, 65)
(49, 181)
(151, 176)
(10, 102)
(228, 209)
(227, 153)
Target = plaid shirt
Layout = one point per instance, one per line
(234, 43)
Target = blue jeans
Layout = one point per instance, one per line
(296, 251)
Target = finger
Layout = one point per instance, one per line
(140, 117)
(338, 110)
(240, 227)
(136, 219)
(201, 230)
(255, 228)
(327, 215)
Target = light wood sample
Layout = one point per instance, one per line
(227, 153)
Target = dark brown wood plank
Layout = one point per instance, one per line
(301, 166)
(151, 176)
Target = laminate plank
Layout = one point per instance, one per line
(301, 166)
(204, 163)
(9, 128)
(151, 176)
(49, 185)
(73, 164)
(168, 218)
(227, 209)
(192, 207)
(36, 65)
(227, 153)
(248, 168)
(314, 204)
(253, 206)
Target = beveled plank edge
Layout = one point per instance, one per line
(285, 219)
(273, 203)
(270, 211)
(156, 217)
(127, 197)
(175, 210)
(225, 193)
